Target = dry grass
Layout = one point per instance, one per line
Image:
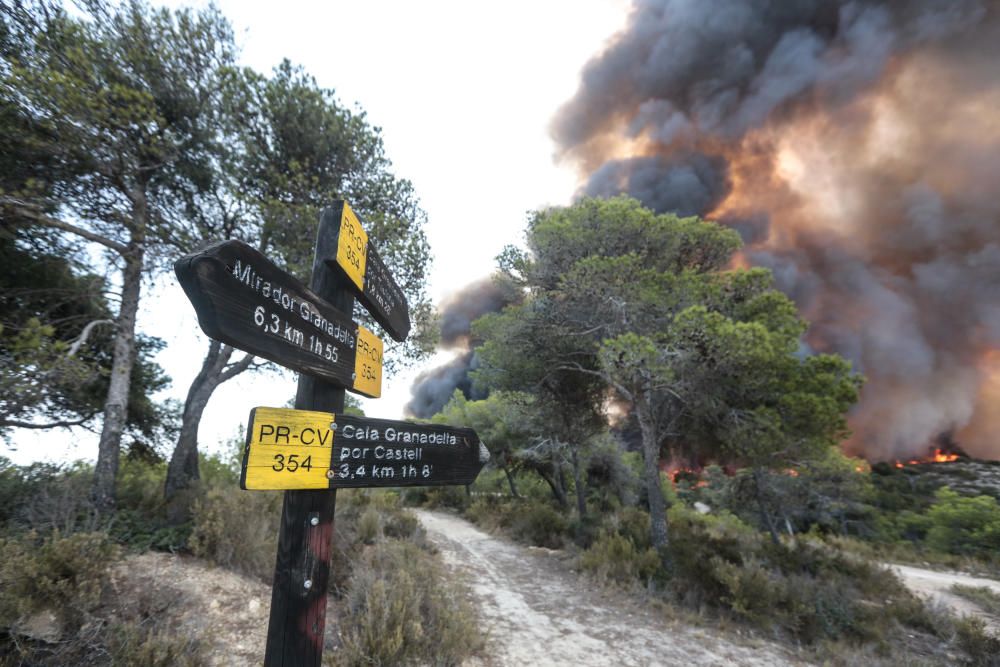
(985, 598)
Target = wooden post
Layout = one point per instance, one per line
(302, 569)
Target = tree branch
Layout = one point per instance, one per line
(31, 211)
(75, 347)
(620, 388)
(235, 369)
(64, 424)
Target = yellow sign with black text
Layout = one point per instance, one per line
(352, 247)
(288, 449)
(368, 364)
(304, 449)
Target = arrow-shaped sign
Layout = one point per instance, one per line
(244, 300)
(369, 276)
(303, 449)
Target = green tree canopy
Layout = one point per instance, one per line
(116, 123)
(706, 357)
(55, 342)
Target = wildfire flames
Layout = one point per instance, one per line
(693, 475)
(676, 473)
(855, 145)
(938, 456)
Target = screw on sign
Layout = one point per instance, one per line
(244, 300)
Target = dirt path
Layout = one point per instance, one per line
(538, 613)
(937, 585)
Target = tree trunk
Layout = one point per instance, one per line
(581, 491)
(557, 490)
(510, 482)
(182, 472)
(651, 474)
(765, 515)
(116, 403)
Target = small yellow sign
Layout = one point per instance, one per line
(368, 364)
(352, 247)
(288, 449)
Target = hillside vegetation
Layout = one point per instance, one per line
(59, 604)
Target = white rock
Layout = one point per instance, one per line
(41, 626)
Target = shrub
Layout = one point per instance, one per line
(453, 497)
(493, 512)
(540, 525)
(368, 526)
(401, 524)
(963, 525)
(133, 644)
(19, 483)
(612, 479)
(60, 574)
(140, 532)
(633, 523)
(58, 500)
(139, 486)
(803, 589)
(221, 469)
(615, 557)
(237, 530)
(402, 608)
(982, 648)
(140, 521)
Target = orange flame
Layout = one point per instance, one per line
(939, 456)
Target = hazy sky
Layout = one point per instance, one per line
(463, 92)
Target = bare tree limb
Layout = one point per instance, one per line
(573, 366)
(84, 335)
(31, 211)
(235, 369)
(57, 424)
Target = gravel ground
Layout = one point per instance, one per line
(537, 613)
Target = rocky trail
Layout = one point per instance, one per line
(537, 613)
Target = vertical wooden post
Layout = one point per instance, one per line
(302, 569)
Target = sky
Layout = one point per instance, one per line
(463, 92)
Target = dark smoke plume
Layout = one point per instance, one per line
(468, 304)
(434, 388)
(855, 145)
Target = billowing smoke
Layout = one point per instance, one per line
(434, 388)
(855, 145)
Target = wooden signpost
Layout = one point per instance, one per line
(244, 300)
(300, 449)
(373, 284)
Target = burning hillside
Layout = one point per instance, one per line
(855, 145)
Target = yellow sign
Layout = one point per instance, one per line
(288, 449)
(352, 247)
(368, 364)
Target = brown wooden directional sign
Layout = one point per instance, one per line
(359, 260)
(244, 300)
(303, 449)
